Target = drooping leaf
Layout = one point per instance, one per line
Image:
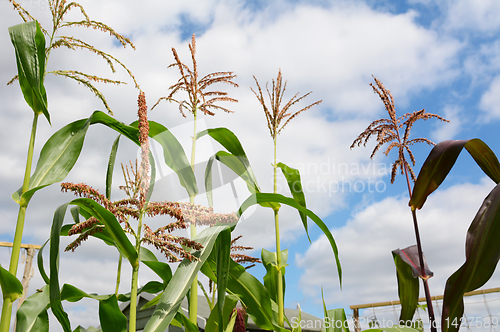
(292, 176)
(410, 256)
(57, 158)
(236, 160)
(482, 252)
(270, 198)
(235, 164)
(29, 43)
(12, 288)
(408, 287)
(151, 287)
(229, 141)
(442, 158)
(111, 166)
(223, 249)
(114, 228)
(174, 156)
(61, 151)
(181, 281)
(111, 317)
(32, 315)
(161, 269)
(270, 262)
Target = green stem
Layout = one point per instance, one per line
(135, 277)
(18, 235)
(193, 300)
(428, 298)
(118, 274)
(281, 307)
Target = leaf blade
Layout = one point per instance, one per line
(440, 161)
(482, 256)
(29, 44)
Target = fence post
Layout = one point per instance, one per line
(355, 316)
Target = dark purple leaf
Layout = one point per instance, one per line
(442, 158)
(482, 252)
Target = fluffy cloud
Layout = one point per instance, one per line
(490, 100)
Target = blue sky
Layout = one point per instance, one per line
(443, 56)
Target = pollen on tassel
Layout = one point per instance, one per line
(144, 141)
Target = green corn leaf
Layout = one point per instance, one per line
(482, 253)
(114, 228)
(442, 158)
(236, 160)
(325, 311)
(32, 315)
(111, 317)
(182, 279)
(61, 151)
(230, 302)
(12, 288)
(277, 198)
(270, 262)
(228, 140)
(55, 294)
(57, 158)
(188, 325)
(223, 249)
(29, 43)
(292, 176)
(237, 166)
(151, 287)
(111, 167)
(105, 217)
(408, 288)
(208, 181)
(163, 270)
(336, 321)
(174, 156)
(39, 263)
(88, 329)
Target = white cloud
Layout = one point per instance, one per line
(490, 100)
(448, 130)
(479, 15)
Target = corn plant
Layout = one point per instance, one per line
(482, 246)
(272, 292)
(387, 131)
(482, 249)
(199, 100)
(32, 54)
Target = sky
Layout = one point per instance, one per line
(443, 56)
